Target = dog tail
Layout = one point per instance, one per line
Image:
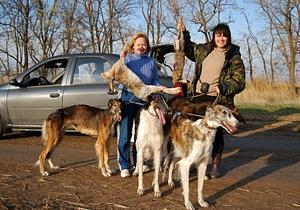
(37, 163)
(45, 134)
(54, 122)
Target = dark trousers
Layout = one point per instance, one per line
(129, 112)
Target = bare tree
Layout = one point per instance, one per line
(249, 57)
(284, 19)
(104, 20)
(70, 20)
(44, 27)
(260, 48)
(15, 24)
(153, 13)
(206, 14)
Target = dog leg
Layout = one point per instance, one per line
(184, 167)
(201, 176)
(157, 159)
(170, 180)
(52, 165)
(106, 155)
(139, 167)
(100, 147)
(49, 156)
(50, 143)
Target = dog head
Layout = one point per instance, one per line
(221, 116)
(114, 105)
(158, 103)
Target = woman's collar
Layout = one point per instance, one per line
(141, 55)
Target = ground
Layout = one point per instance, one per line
(260, 169)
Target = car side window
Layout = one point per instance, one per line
(88, 70)
(50, 73)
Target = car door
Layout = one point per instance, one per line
(38, 94)
(86, 84)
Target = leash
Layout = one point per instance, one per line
(196, 115)
(216, 100)
(134, 102)
(186, 113)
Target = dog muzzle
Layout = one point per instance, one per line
(118, 117)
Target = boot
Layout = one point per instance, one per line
(215, 170)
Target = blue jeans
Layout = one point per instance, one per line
(129, 113)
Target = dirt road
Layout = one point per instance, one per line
(260, 165)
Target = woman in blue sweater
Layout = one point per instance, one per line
(145, 68)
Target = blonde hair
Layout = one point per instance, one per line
(129, 46)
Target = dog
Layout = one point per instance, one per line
(87, 120)
(192, 144)
(122, 74)
(150, 138)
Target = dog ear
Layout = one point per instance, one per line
(237, 114)
(110, 103)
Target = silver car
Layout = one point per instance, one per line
(55, 83)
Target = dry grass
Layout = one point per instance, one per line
(259, 93)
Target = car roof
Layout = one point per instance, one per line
(109, 56)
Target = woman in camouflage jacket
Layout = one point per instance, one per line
(218, 69)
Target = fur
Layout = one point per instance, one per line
(192, 144)
(87, 120)
(179, 52)
(122, 74)
(150, 139)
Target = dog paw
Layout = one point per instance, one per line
(157, 194)
(45, 173)
(135, 173)
(140, 191)
(110, 171)
(106, 174)
(189, 205)
(171, 183)
(203, 203)
(55, 167)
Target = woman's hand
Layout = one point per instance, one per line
(217, 89)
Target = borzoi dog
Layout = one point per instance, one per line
(122, 74)
(150, 138)
(192, 144)
(87, 120)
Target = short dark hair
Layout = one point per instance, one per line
(224, 29)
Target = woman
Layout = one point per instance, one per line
(145, 68)
(218, 69)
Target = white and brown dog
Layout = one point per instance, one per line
(87, 120)
(192, 144)
(150, 138)
(122, 74)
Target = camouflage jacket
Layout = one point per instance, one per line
(232, 77)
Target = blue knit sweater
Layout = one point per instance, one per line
(145, 68)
